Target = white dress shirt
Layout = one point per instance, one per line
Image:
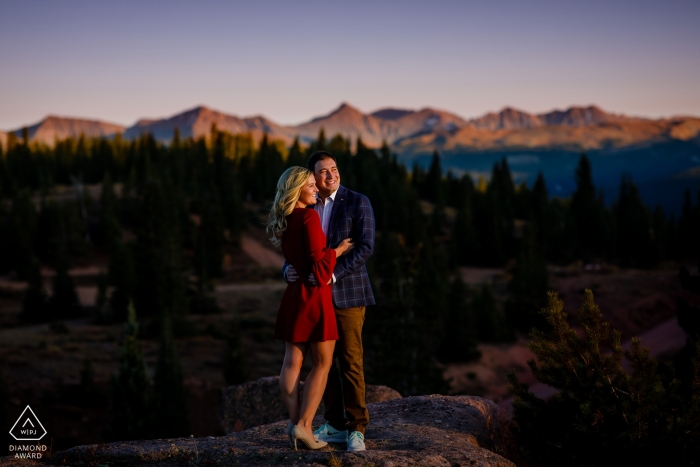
(324, 208)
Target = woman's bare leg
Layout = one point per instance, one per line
(315, 384)
(289, 378)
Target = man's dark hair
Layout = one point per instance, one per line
(318, 156)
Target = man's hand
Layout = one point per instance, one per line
(291, 274)
(312, 279)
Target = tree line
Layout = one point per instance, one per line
(167, 212)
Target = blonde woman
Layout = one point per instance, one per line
(305, 319)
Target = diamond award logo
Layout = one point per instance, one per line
(28, 427)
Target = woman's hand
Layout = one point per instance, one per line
(345, 246)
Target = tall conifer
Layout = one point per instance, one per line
(235, 370)
(131, 408)
(23, 222)
(634, 228)
(110, 228)
(593, 229)
(491, 324)
(170, 404)
(528, 289)
(459, 341)
(34, 302)
(63, 303)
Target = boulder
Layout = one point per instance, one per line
(259, 403)
(412, 431)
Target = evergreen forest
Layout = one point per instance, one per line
(166, 213)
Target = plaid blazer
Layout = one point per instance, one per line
(352, 216)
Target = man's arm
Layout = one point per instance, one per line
(362, 237)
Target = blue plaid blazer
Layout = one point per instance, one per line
(352, 216)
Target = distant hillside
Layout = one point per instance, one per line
(52, 128)
(3, 140)
(659, 154)
(410, 132)
(198, 121)
(575, 138)
(349, 122)
(383, 125)
(513, 119)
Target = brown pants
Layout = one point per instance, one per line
(344, 396)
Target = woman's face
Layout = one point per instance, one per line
(308, 193)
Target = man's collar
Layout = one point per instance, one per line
(332, 195)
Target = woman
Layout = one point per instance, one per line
(305, 319)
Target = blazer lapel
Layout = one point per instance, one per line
(337, 212)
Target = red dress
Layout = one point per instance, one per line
(306, 313)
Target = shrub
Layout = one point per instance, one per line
(603, 414)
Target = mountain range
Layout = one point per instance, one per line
(584, 127)
(662, 155)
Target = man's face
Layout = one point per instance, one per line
(327, 176)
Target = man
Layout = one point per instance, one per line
(344, 213)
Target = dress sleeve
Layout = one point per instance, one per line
(322, 258)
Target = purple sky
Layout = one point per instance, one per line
(290, 61)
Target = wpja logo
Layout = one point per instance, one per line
(28, 428)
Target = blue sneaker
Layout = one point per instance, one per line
(356, 441)
(330, 435)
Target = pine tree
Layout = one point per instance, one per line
(404, 330)
(296, 155)
(34, 303)
(4, 415)
(64, 303)
(689, 227)
(227, 186)
(418, 177)
(661, 236)
(131, 406)
(689, 315)
(23, 221)
(491, 324)
(459, 344)
(319, 144)
(464, 241)
(592, 222)
(494, 215)
(89, 391)
(104, 310)
(170, 404)
(235, 371)
(121, 275)
(541, 216)
(161, 284)
(634, 227)
(210, 241)
(110, 228)
(434, 190)
(528, 289)
(603, 414)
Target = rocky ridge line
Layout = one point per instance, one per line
(439, 431)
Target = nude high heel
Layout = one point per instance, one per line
(311, 443)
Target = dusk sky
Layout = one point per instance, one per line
(290, 61)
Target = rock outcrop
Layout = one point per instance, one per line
(412, 431)
(258, 403)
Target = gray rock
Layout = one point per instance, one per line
(259, 403)
(413, 431)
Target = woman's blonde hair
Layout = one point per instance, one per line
(288, 189)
